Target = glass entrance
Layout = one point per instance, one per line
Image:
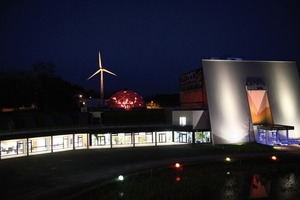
(162, 138)
(20, 147)
(79, 141)
(183, 137)
(30, 146)
(101, 140)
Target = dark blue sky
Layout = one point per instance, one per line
(149, 44)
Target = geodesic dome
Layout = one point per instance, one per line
(126, 99)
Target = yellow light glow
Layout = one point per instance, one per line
(274, 158)
(228, 159)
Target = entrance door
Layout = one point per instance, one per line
(30, 146)
(20, 147)
(79, 141)
(101, 140)
(162, 138)
(183, 137)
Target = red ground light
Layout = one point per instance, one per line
(126, 99)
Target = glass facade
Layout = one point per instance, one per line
(272, 137)
(62, 142)
(275, 135)
(13, 148)
(101, 140)
(39, 145)
(144, 139)
(65, 142)
(202, 137)
(81, 141)
(182, 137)
(122, 140)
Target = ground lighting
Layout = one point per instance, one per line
(227, 159)
(177, 179)
(178, 166)
(273, 158)
(120, 178)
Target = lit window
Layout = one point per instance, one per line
(182, 121)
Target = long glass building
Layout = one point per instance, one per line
(223, 102)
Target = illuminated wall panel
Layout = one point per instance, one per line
(199, 119)
(228, 102)
(192, 90)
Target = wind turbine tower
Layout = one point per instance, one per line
(101, 70)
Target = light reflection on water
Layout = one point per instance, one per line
(251, 180)
(287, 187)
(230, 188)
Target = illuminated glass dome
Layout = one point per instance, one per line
(126, 99)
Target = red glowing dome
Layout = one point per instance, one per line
(126, 99)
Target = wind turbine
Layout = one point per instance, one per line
(101, 70)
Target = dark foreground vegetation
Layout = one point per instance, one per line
(39, 88)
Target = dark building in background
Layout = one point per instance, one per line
(193, 90)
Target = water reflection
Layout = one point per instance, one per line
(288, 187)
(230, 188)
(260, 187)
(257, 179)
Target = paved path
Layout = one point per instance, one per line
(59, 175)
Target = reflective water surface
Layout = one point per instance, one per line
(263, 178)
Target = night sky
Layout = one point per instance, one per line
(148, 44)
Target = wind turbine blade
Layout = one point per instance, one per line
(94, 74)
(100, 63)
(105, 70)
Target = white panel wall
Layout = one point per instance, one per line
(182, 113)
(199, 119)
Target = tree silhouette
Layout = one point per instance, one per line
(39, 87)
(16, 89)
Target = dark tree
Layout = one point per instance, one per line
(40, 87)
(54, 93)
(16, 89)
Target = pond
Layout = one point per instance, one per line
(261, 178)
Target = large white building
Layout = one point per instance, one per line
(224, 102)
(245, 98)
